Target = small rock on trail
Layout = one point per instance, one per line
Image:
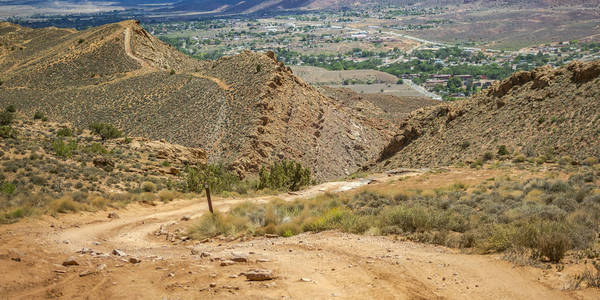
(259, 275)
(118, 252)
(70, 262)
(227, 263)
(135, 260)
(239, 257)
(113, 215)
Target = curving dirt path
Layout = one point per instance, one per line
(327, 265)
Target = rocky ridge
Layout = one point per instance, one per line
(546, 113)
(246, 110)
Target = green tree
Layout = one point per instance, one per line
(287, 175)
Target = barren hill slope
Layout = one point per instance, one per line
(546, 113)
(246, 110)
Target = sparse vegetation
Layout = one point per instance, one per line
(540, 218)
(6, 118)
(105, 131)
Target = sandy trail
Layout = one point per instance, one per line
(327, 265)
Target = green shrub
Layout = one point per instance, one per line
(519, 158)
(14, 215)
(286, 175)
(465, 145)
(95, 148)
(38, 115)
(105, 131)
(8, 188)
(7, 132)
(487, 156)
(6, 118)
(64, 132)
(502, 150)
(11, 109)
(62, 149)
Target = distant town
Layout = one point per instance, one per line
(360, 41)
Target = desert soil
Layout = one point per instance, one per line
(326, 265)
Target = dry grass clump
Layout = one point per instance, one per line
(539, 218)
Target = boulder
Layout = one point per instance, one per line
(259, 275)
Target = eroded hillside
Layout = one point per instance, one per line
(544, 114)
(246, 110)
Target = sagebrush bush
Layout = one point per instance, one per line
(62, 149)
(166, 195)
(6, 118)
(7, 132)
(38, 115)
(64, 132)
(105, 131)
(148, 186)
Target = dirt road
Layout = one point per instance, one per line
(327, 265)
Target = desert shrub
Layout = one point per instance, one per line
(519, 158)
(6, 118)
(11, 109)
(99, 202)
(217, 177)
(591, 278)
(62, 149)
(502, 151)
(590, 161)
(15, 214)
(64, 205)
(95, 148)
(7, 132)
(549, 239)
(64, 132)
(211, 225)
(487, 156)
(464, 145)
(148, 186)
(285, 175)
(105, 131)
(8, 188)
(166, 195)
(38, 115)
